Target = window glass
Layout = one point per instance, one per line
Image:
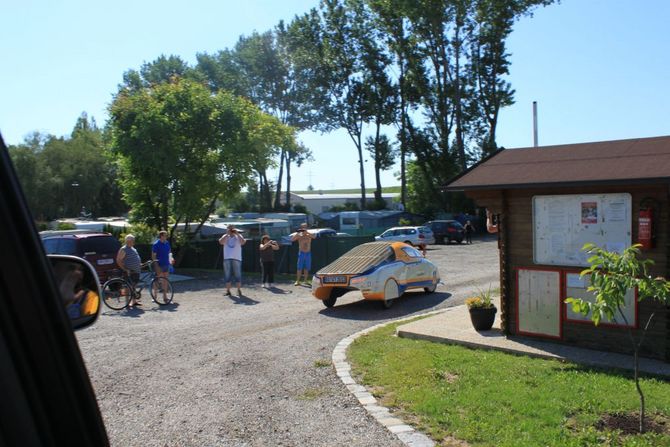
(412, 252)
(99, 245)
(67, 247)
(50, 246)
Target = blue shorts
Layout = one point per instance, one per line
(164, 268)
(304, 260)
(232, 269)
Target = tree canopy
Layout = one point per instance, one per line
(180, 148)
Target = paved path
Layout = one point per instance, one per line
(453, 326)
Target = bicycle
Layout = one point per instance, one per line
(118, 292)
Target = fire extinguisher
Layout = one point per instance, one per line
(645, 228)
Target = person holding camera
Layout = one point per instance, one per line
(267, 249)
(232, 243)
(304, 239)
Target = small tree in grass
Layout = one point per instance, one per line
(612, 275)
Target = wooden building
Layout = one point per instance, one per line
(548, 202)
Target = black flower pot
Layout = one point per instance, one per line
(483, 317)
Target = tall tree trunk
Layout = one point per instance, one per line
(378, 189)
(403, 141)
(359, 147)
(460, 144)
(288, 183)
(277, 204)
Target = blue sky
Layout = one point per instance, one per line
(599, 69)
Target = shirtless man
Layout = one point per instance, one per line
(304, 239)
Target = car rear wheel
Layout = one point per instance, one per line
(409, 243)
(430, 289)
(390, 293)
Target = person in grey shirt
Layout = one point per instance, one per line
(128, 259)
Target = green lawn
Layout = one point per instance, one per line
(489, 398)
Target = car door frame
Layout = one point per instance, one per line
(48, 399)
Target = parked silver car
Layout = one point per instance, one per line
(410, 235)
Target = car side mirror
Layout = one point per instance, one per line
(79, 289)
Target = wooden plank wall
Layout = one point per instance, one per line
(519, 253)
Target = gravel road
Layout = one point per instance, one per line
(211, 370)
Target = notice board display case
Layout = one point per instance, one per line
(539, 302)
(576, 287)
(562, 224)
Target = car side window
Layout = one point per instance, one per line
(67, 247)
(410, 231)
(50, 246)
(412, 252)
(387, 233)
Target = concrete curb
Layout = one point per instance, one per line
(405, 432)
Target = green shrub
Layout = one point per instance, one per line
(66, 226)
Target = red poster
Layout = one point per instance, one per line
(589, 212)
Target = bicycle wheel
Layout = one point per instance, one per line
(161, 291)
(116, 293)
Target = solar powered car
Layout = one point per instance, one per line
(381, 271)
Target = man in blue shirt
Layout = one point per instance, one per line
(161, 254)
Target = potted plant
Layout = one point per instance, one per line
(482, 310)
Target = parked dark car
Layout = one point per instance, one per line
(446, 231)
(99, 249)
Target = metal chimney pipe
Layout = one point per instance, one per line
(534, 123)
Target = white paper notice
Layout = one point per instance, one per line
(558, 216)
(615, 212)
(575, 281)
(557, 244)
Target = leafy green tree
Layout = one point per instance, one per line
(338, 36)
(450, 61)
(491, 25)
(261, 68)
(383, 153)
(180, 148)
(163, 69)
(611, 276)
(61, 175)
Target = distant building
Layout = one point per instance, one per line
(317, 203)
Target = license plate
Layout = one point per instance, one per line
(105, 261)
(334, 279)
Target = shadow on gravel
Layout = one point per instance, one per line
(136, 312)
(278, 291)
(364, 310)
(244, 300)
